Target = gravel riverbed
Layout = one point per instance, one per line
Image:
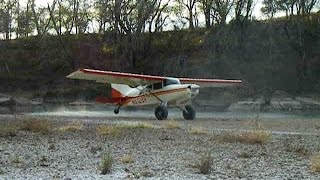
(160, 149)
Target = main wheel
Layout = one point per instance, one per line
(161, 112)
(189, 113)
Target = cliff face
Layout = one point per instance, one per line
(267, 56)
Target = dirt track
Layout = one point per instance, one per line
(162, 152)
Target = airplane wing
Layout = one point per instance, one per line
(211, 82)
(115, 77)
(134, 80)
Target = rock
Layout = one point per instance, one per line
(245, 106)
(4, 95)
(311, 103)
(4, 100)
(281, 95)
(286, 105)
(280, 100)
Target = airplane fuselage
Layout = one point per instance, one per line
(174, 94)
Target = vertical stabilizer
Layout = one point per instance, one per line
(120, 90)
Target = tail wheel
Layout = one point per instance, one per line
(189, 113)
(116, 111)
(161, 112)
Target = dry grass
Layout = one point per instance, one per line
(107, 130)
(42, 126)
(256, 136)
(171, 124)
(106, 164)
(248, 137)
(315, 163)
(244, 155)
(8, 129)
(198, 130)
(127, 159)
(205, 165)
(296, 146)
(17, 160)
(72, 127)
(140, 125)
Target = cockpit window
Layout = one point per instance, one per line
(171, 81)
(160, 85)
(157, 85)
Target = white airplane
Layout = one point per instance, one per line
(138, 90)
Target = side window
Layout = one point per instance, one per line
(157, 85)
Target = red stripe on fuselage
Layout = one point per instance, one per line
(126, 100)
(154, 94)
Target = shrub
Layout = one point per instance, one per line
(42, 126)
(248, 137)
(8, 129)
(106, 130)
(315, 163)
(172, 124)
(141, 125)
(72, 127)
(244, 155)
(205, 165)
(127, 159)
(17, 160)
(198, 130)
(106, 163)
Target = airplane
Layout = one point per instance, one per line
(129, 89)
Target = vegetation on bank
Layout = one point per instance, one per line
(268, 55)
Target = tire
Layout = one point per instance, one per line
(189, 113)
(161, 112)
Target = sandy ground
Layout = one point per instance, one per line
(161, 152)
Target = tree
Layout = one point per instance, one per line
(243, 10)
(104, 14)
(6, 18)
(158, 16)
(25, 25)
(190, 5)
(206, 7)
(41, 19)
(221, 10)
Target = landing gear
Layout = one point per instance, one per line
(161, 112)
(189, 113)
(116, 111)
